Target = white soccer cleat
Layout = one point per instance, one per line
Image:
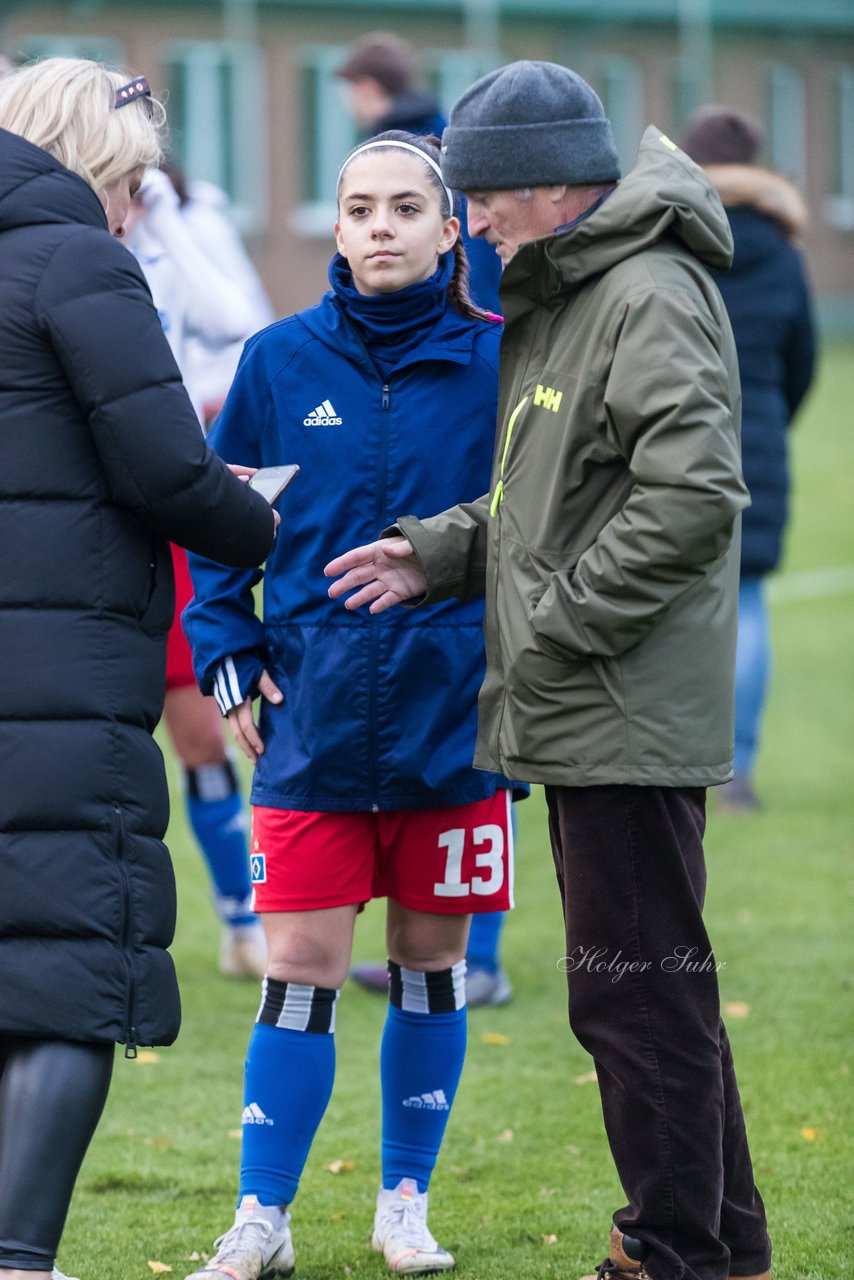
(401, 1233)
(252, 1250)
(243, 951)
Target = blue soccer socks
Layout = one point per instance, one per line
(423, 1049)
(290, 1069)
(216, 814)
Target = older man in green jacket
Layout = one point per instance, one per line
(608, 551)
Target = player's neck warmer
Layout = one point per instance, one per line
(392, 324)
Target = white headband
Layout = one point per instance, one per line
(404, 146)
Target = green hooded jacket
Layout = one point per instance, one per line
(608, 545)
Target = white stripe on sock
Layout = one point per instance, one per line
(458, 978)
(263, 998)
(296, 1011)
(414, 998)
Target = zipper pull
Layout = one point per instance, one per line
(130, 1047)
(386, 395)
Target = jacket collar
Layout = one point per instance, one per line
(451, 340)
(35, 189)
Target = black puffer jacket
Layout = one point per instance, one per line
(767, 298)
(102, 462)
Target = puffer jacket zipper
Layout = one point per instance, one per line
(130, 1031)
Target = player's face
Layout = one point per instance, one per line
(390, 226)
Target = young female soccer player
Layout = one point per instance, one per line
(385, 395)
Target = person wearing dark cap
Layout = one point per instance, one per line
(384, 79)
(767, 297)
(608, 552)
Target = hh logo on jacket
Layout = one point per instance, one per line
(547, 397)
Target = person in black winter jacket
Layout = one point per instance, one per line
(103, 463)
(767, 297)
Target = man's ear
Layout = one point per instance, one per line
(556, 194)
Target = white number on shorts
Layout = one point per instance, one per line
(453, 886)
(493, 857)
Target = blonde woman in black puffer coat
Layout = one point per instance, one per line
(103, 463)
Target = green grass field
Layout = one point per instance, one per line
(525, 1186)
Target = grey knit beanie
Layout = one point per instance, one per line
(529, 124)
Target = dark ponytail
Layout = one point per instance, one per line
(458, 288)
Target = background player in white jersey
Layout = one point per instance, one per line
(209, 300)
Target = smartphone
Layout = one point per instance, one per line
(271, 482)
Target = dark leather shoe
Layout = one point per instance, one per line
(625, 1262)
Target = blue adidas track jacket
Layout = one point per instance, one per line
(379, 712)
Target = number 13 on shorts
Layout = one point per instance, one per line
(478, 862)
(451, 860)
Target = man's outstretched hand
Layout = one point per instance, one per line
(387, 571)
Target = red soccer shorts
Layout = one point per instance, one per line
(450, 861)
(179, 660)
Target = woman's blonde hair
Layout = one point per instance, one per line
(66, 106)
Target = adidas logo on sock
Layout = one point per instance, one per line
(254, 1115)
(323, 416)
(435, 1101)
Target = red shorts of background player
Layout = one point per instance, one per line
(179, 660)
(450, 861)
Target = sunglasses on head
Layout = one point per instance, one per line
(138, 88)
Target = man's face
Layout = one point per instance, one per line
(507, 221)
(368, 100)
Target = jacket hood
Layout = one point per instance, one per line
(417, 111)
(756, 188)
(36, 189)
(665, 195)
